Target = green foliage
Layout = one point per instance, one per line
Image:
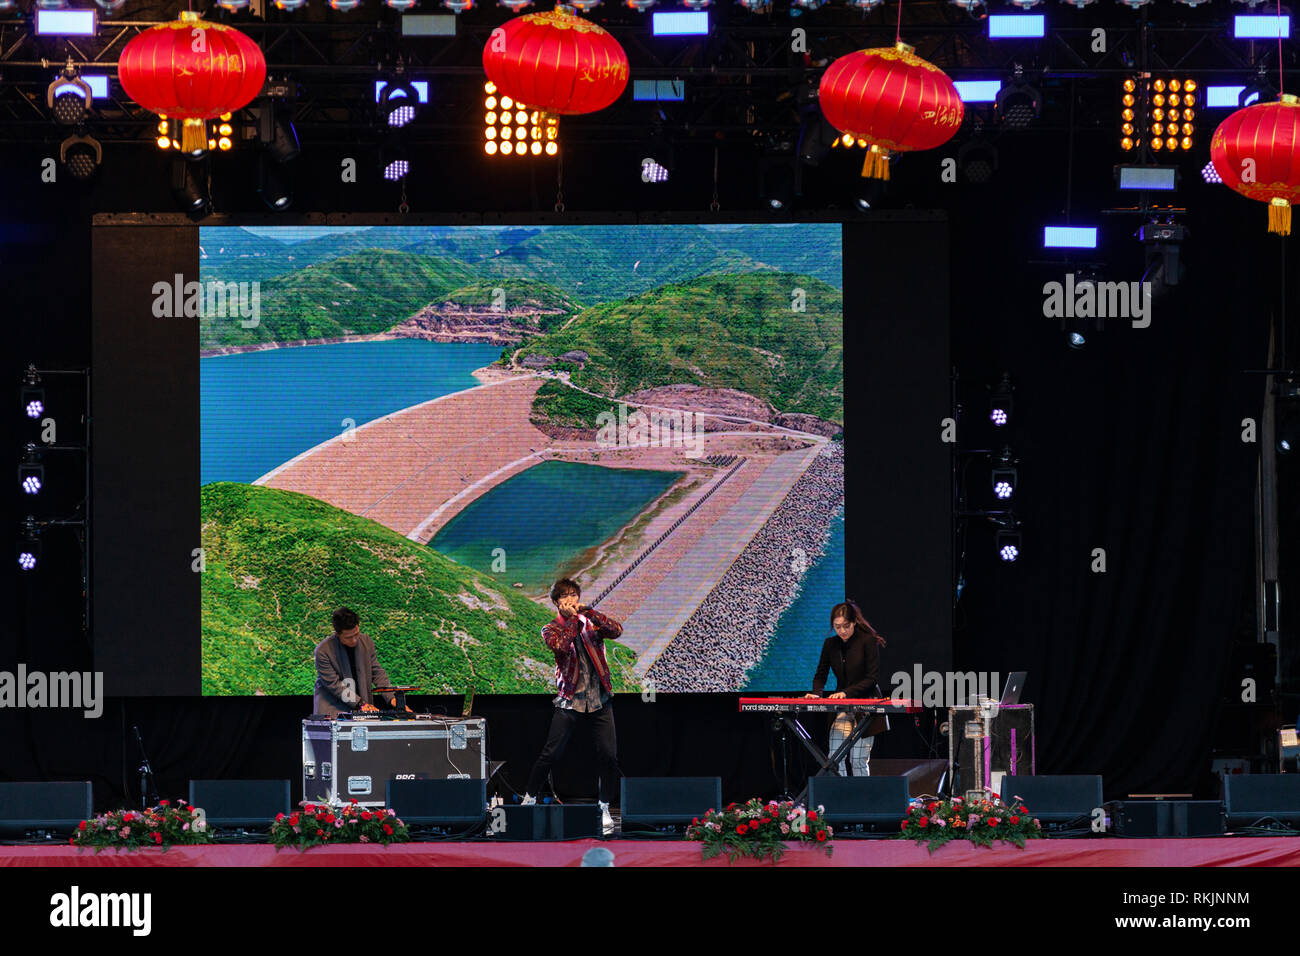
(759, 830)
(518, 293)
(322, 825)
(278, 563)
(934, 821)
(360, 294)
(160, 826)
(558, 404)
(723, 331)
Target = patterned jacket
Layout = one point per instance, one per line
(561, 636)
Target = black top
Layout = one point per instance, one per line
(352, 661)
(588, 694)
(856, 665)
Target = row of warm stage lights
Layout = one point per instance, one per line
(110, 7)
(509, 128)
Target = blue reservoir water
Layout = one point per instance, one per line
(548, 519)
(792, 655)
(260, 409)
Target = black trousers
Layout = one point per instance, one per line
(601, 727)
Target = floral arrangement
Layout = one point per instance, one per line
(321, 824)
(161, 826)
(936, 821)
(759, 830)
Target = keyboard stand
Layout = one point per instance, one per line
(826, 764)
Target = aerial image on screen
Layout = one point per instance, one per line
(430, 425)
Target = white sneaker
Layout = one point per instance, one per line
(528, 800)
(606, 821)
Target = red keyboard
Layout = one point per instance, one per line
(785, 705)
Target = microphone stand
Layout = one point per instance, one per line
(146, 772)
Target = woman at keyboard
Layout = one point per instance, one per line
(853, 654)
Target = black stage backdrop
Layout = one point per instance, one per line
(1132, 445)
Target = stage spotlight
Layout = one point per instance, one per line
(1000, 401)
(81, 155)
(190, 186)
(761, 6)
(1008, 545)
(1210, 174)
(69, 98)
(868, 193)
(1017, 104)
(32, 399)
(816, 139)
(110, 7)
(273, 184)
(1287, 408)
(344, 6)
(31, 478)
(977, 160)
(276, 134)
(653, 172)
(516, 6)
(1004, 475)
(1136, 4)
(398, 103)
(1080, 4)
(394, 161)
(868, 5)
(1260, 91)
(401, 6)
(777, 176)
(289, 6)
(29, 548)
(797, 6)
(8, 6)
(1026, 4)
(970, 6)
(233, 6)
(640, 6)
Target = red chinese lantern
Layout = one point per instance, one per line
(192, 70)
(556, 62)
(892, 99)
(1256, 151)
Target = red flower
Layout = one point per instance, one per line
(1015, 820)
(310, 808)
(753, 824)
(903, 825)
(1024, 809)
(128, 817)
(931, 807)
(293, 819)
(993, 821)
(329, 818)
(354, 799)
(812, 816)
(157, 837)
(366, 814)
(740, 829)
(388, 829)
(821, 836)
(924, 821)
(695, 821)
(164, 803)
(81, 825)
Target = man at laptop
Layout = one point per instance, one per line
(347, 667)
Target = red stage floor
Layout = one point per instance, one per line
(1226, 851)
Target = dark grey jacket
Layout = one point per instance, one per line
(333, 668)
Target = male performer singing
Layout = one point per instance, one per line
(347, 668)
(852, 653)
(577, 637)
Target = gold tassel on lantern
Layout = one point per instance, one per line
(1279, 217)
(194, 136)
(876, 163)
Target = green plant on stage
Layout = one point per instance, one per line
(165, 825)
(759, 830)
(319, 824)
(936, 821)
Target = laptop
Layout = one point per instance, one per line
(1015, 684)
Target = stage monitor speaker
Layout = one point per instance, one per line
(1252, 798)
(1055, 798)
(56, 807)
(551, 821)
(668, 801)
(1137, 819)
(240, 803)
(852, 800)
(458, 804)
